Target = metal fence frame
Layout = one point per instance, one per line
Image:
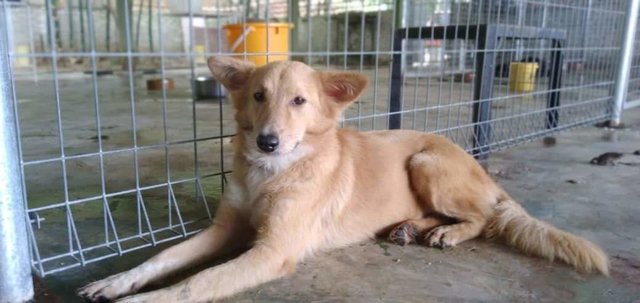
(15, 261)
(626, 60)
(20, 245)
(632, 98)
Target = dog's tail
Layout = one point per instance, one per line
(511, 222)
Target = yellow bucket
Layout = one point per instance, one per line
(252, 36)
(200, 53)
(522, 76)
(22, 50)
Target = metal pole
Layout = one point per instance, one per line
(81, 12)
(400, 20)
(626, 53)
(108, 27)
(70, 25)
(15, 269)
(587, 21)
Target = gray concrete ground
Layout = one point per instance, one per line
(555, 183)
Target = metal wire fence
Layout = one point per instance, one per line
(109, 166)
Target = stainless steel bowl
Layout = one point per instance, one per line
(206, 87)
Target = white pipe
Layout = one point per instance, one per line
(15, 263)
(626, 54)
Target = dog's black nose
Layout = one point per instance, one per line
(268, 143)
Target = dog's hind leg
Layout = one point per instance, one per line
(451, 183)
(226, 233)
(408, 231)
(450, 235)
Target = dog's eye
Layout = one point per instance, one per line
(259, 96)
(299, 100)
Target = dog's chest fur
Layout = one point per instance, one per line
(245, 194)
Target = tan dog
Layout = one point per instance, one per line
(301, 185)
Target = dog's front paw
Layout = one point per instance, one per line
(134, 299)
(108, 289)
(441, 237)
(403, 234)
(165, 295)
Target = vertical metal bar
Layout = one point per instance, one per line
(140, 9)
(150, 26)
(451, 100)
(34, 246)
(32, 48)
(207, 46)
(624, 65)
(108, 218)
(55, 25)
(362, 34)
(399, 14)
(194, 110)
(460, 138)
(223, 176)
(376, 68)
(268, 29)
(395, 88)
(483, 91)
(309, 32)
(83, 43)
(587, 21)
(70, 25)
(392, 41)
(553, 97)
(15, 263)
(108, 27)
(416, 81)
(54, 42)
(328, 41)
(345, 43)
(165, 110)
(294, 18)
(395, 91)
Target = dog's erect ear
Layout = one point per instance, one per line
(343, 87)
(232, 73)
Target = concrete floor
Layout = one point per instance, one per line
(555, 183)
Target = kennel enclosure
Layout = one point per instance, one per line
(94, 165)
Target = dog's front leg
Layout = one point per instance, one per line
(283, 238)
(228, 231)
(258, 265)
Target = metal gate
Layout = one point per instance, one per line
(100, 165)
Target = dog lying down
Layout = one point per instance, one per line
(300, 184)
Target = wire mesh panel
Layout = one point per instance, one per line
(120, 152)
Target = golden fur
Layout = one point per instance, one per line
(326, 187)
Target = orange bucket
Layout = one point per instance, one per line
(253, 36)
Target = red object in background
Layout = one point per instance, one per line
(433, 43)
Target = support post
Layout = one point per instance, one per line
(294, 13)
(553, 97)
(395, 94)
(108, 27)
(70, 25)
(81, 12)
(486, 44)
(624, 66)
(15, 268)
